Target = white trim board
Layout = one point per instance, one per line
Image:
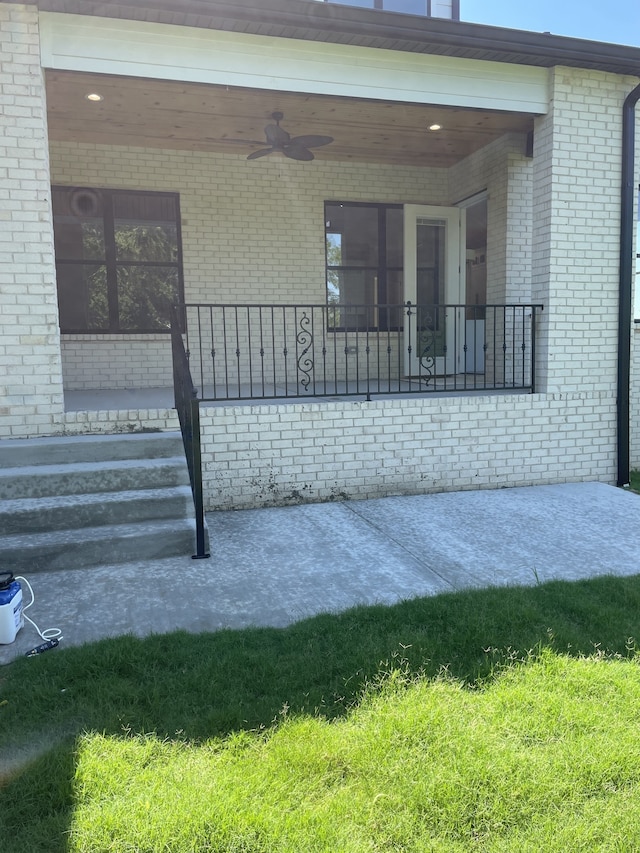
(169, 52)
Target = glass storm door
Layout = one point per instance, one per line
(433, 280)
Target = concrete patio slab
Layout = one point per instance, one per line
(276, 566)
(520, 535)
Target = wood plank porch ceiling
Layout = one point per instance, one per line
(198, 117)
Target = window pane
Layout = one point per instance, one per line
(476, 266)
(352, 317)
(334, 250)
(82, 297)
(78, 224)
(145, 227)
(430, 242)
(355, 289)
(430, 238)
(412, 7)
(145, 295)
(392, 317)
(356, 231)
(442, 9)
(352, 287)
(365, 256)
(369, 4)
(395, 287)
(428, 286)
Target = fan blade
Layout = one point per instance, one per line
(297, 152)
(276, 135)
(312, 141)
(261, 153)
(226, 139)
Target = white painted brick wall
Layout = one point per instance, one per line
(635, 399)
(278, 455)
(635, 332)
(502, 169)
(116, 361)
(116, 421)
(251, 231)
(576, 221)
(30, 369)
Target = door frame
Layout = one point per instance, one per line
(454, 286)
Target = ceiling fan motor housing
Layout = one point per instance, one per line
(279, 140)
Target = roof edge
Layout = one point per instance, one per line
(333, 22)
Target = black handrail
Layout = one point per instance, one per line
(188, 408)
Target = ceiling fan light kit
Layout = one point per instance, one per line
(297, 148)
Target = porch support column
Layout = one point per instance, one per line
(576, 225)
(31, 396)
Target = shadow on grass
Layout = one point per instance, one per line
(195, 687)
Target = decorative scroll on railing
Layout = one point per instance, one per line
(188, 408)
(264, 352)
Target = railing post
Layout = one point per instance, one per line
(409, 314)
(533, 349)
(196, 467)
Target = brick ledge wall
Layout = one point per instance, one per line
(99, 362)
(256, 456)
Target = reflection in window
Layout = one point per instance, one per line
(476, 272)
(430, 258)
(431, 8)
(364, 257)
(145, 227)
(118, 259)
(82, 296)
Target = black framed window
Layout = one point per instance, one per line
(118, 259)
(364, 262)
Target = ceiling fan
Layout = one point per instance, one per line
(297, 148)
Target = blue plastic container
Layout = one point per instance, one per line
(11, 611)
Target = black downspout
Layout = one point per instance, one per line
(626, 281)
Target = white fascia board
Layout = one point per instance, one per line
(189, 54)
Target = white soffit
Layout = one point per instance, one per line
(167, 52)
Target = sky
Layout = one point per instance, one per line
(616, 21)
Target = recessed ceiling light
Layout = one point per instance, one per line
(94, 96)
(435, 127)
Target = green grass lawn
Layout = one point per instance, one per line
(635, 480)
(492, 720)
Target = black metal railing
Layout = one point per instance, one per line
(188, 408)
(238, 352)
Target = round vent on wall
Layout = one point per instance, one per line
(85, 202)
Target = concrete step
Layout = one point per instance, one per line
(39, 481)
(80, 501)
(94, 546)
(59, 450)
(64, 512)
